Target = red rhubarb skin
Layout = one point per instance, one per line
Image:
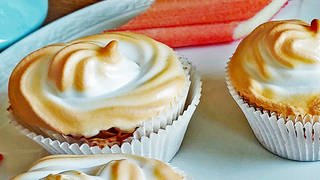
(167, 13)
(182, 23)
(191, 35)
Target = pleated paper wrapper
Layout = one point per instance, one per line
(159, 138)
(294, 137)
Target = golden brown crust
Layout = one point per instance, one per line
(18, 100)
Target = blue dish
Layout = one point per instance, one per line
(20, 17)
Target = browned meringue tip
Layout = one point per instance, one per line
(315, 26)
(110, 52)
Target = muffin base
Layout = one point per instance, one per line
(154, 140)
(294, 137)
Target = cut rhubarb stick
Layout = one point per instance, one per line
(166, 13)
(199, 34)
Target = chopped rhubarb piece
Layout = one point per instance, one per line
(1, 157)
(108, 137)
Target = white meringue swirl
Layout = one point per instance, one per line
(98, 167)
(85, 68)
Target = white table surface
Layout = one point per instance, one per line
(219, 143)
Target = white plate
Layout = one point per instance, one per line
(219, 143)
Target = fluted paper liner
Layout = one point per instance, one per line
(159, 138)
(293, 137)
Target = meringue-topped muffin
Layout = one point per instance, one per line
(96, 167)
(277, 67)
(98, 87)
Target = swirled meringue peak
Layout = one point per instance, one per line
(99, 167)
(86, 68)
(96, 83)
(277, 67)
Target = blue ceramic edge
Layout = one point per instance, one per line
(44, 6)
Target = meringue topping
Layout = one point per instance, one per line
(70, 175)
(96, 83)
(277, 67)
(98, 167)
(91, 70)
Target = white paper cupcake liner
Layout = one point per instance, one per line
(294, 138)
(153, 140)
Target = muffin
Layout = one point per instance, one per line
(107, 166)
(101, 90)
(273, 78)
